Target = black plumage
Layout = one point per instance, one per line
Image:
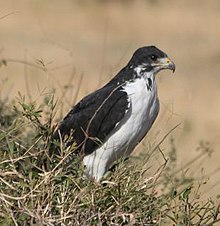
(93, 118)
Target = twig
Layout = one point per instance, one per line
(9, 14)
(162, 140)
(10, 60)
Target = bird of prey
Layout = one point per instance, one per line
(107, 124)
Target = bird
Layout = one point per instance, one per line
(109, 123)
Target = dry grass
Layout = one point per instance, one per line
(38, 190)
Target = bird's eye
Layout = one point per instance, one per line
(153, 57)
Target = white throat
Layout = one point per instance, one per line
(149, 77)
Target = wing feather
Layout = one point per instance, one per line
(93, 118)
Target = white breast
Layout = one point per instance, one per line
(143, 109)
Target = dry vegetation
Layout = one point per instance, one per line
(38, 190)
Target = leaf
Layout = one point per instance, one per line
(185, 193)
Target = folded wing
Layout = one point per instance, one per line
(91, 120)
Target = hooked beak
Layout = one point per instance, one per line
(165, 63)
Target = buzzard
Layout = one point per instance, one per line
(107, 124)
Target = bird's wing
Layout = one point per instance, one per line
(94, 118)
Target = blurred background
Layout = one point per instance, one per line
(82, 44)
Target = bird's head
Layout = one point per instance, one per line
(150, 59)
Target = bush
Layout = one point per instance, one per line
(36, 189)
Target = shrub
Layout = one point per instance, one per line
(36, 189)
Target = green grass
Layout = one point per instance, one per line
(37, 189)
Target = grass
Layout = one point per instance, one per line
(36, 189)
